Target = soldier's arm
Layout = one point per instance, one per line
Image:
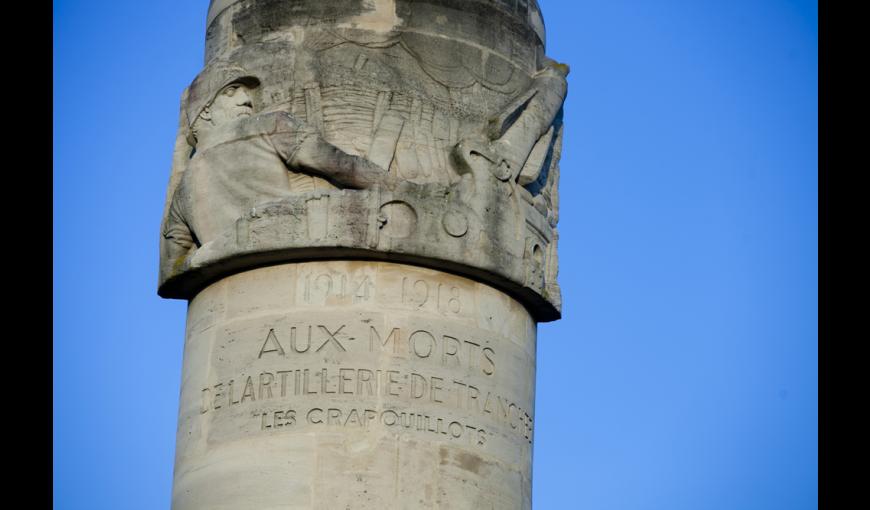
(306, 151)
(317, 156)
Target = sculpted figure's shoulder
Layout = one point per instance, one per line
(247, 128)
(269, 123)
(279, 121)
(279, 129)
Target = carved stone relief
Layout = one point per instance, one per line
(424, 132)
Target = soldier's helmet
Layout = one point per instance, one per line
(206, 86)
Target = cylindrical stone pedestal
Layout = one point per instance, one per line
(355, 385)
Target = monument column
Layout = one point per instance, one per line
(361, 214)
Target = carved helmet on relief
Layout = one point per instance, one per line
(208, 84)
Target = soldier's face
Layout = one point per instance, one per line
(233, 102)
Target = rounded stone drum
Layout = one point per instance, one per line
(362, 214)
(355, 384)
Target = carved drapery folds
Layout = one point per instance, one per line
(451, 107)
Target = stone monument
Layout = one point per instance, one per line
(362, 215)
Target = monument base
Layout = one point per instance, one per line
(355, 385)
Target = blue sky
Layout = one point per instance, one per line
(684, 373)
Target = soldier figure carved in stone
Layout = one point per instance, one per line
(241, 159)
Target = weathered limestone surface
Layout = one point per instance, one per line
(362, 212)
(429, 132)
(353, 384)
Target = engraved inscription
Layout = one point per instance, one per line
(364, 384)
(365, 417)
(319, 288)
(442, 348)
(302, 342)
(338, 285)
(420, 294)
(362, 348)
(276, 419)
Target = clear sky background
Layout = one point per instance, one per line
(684, 373)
